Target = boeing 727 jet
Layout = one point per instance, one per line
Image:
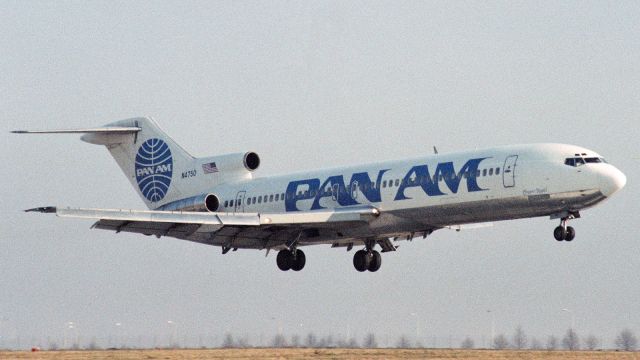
(219, 201)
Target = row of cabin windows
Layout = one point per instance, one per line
(256, 200)
(441, 177)
(367, 186)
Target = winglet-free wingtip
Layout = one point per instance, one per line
(43, 209)
(18, 131)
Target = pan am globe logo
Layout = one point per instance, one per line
(154, 167)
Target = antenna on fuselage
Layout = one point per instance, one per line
(435, 150)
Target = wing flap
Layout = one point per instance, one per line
(216, 219)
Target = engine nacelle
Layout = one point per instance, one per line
(204, 202)
(231, 163)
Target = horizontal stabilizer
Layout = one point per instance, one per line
(43, 209)
(101, 130)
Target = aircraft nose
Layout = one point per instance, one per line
(612, 180)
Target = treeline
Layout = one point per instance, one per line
(625, 341)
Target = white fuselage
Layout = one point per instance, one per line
(420, 195)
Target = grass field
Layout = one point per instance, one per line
(318, 354)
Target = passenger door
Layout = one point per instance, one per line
(239, 204)
(509, 171)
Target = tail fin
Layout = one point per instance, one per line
(145, 153)
(147, 157)
(153, 162)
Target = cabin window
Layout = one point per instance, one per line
(497, 171)
(277, 197)
(271, 198)
(491, 172)
(384, 184)
(231, 203)
(397, 182)
(249, 201)
(282, 196)
(226, 203)
(484, 172)
(239, 202)
(259, 199)
(478, 173)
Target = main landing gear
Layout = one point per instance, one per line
(367, 259)
(291, 259)
(564, 232)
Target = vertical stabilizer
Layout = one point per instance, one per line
(149, 158)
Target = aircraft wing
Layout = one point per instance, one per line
(239, 230)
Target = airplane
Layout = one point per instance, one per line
(219, 201)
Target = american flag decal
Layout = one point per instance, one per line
(210, 168)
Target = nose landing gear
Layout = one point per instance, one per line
(564, 232)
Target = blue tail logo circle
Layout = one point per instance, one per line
(154, 167)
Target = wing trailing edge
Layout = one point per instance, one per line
(209, 218)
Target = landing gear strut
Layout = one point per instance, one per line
(564, 232)
(293, 260)
(367, 259)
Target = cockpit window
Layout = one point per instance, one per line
(578, 161)
(595, 160)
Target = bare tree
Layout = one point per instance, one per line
(326, 342)
(626, 340)
(570, 341)
(535, 344)
(519, 339)
(591, 342)
(467, 343)
(500, 342)
(370, 341)
(403, 342)
(93, 344)
(279, 341)
(295, 341)
(552, 343)
(352, 343)
(228, 341)
(312, 340)
(242, 343)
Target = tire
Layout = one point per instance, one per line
(360, 260)
(559, 233)
(376, 261)
(299, 261)
(284, 260)
(571, 233)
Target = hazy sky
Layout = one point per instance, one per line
(311, 85)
